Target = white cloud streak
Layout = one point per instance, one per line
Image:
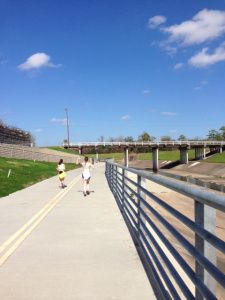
(168, 113)
(38, 130)
(59, 121)
(125, 118)
(178, 66)
(206, 25)
(145, 92)
(37, 61)
(205, 59)
(156, 21)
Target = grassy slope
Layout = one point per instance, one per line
(166, 155)
(116, 156)
(217, 158)
(63, 150)
(163, 155)
(24, 173)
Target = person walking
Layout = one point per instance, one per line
(62, 174)
(86, 176)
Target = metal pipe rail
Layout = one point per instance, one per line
(132, 196)
(151, 144)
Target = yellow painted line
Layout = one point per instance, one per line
(17, 233)
(38, 217)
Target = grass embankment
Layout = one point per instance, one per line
(163, 155)
(116, 156)
(25, 173)
(166, 155)
(217, 158)
(70, 151)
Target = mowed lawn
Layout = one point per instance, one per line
(163, 155)
(57, 148)
(217, 158)
(25, 173)
(166, 155)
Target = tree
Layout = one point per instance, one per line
(128, 139)
(101, 138)
(166, 138)
(222, 130)
(214, 135)
(182, 138)
(145, 137)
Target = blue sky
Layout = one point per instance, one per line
(120, 67)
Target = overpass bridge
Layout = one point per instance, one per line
(183, 146)
(62, 245)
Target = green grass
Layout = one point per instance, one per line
(116, 156)
(63, 149)
(217, 158)
(163, 155)
(25, 173)
(166, 155)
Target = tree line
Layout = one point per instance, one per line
(213, 135)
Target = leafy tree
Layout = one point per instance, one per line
(145, 137)
(101, 138)
(182, 138)
(166, 138)
(222, 130)
(214, 135)
(129, 139)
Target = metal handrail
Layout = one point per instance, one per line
(203, 195)
(155, 143)
(135, 210)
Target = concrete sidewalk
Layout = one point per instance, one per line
(76, 248)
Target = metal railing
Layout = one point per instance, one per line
(171, 275)
(151, 144)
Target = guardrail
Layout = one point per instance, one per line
(152, 144)
(163, 262)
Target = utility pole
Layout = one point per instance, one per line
(67, 125)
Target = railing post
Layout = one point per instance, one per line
(205, 216)
(123, 188)
(142, 195)
(116, 178)
(155, 159)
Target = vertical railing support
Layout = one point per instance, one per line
(205, 216)
(123, 188)
(142, 195)
(155, 159)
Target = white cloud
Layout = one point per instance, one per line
(38, 130)
(173, 130)
(37, 61)
(206, 25)
(145, 92)
(200, 86)
(204, 59)
(168, 113)
(125, 118)
(156, 21)
(178, 66)
(59, 121)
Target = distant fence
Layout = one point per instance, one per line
(171, 275)
(15, 151)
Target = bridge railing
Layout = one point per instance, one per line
(151, 144)
(172, 276)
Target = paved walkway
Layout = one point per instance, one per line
(58, 244)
